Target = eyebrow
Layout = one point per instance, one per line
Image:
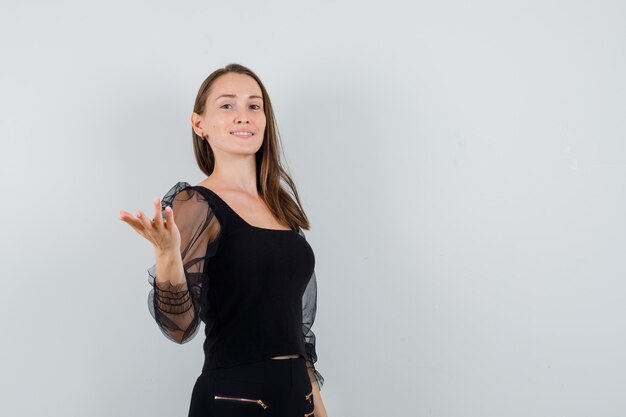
(233, 96)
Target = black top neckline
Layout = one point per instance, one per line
(238, 216)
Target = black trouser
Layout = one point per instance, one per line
(273, 387)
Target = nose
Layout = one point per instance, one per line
(241, 118)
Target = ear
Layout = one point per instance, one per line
(196, 123)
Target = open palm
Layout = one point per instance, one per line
(162, 233)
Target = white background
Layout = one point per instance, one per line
(463, 165)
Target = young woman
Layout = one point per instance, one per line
(230, 252)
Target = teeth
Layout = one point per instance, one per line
(241, 133)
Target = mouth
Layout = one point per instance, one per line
(242, 133)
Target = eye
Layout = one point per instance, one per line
(257, 106)
(226, 105)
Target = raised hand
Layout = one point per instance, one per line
(163, 234)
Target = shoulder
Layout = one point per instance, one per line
(193, 206)
(174, 191)
(184, 194)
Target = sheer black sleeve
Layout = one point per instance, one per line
(309, 309)
(176, 307)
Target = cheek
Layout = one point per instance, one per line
(262, 122)
(217, 124)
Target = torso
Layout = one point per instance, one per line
(253, 211)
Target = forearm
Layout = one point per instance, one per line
(172, 297)
(169, 267)
(320, 410)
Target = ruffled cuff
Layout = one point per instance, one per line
(172, 299)
(314, 375)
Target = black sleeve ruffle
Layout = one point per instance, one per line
(309, 309)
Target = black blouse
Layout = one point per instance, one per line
(254, 288)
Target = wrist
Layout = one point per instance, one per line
(166, 253)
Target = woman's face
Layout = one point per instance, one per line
(234, 118)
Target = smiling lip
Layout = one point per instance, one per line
(246, 134)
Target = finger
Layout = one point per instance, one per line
(124, 215)
(143, 219)
(158, 214)
(133, 222)
(149, 228)
(141, 231)
(129, 218)
(169, 217)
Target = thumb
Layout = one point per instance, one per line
(169, 217)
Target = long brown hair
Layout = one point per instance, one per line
(269, 170)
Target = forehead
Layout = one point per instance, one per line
(233, 83)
